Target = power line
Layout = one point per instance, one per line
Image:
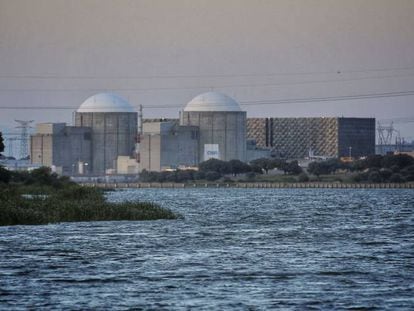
(331, 98)
(394, 120)
(178, 76)
(246, 85)
(251, 102)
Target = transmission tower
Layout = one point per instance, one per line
(24, 137)
(11, 140)
(386, 135)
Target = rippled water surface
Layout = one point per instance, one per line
(236, 249)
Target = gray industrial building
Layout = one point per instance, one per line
(61, 146)
(222, 126)
(167, 145)
(212, 125)
(105, 128)
(104, 137)
(300, 137)
(113, 123)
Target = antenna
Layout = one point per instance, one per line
(141, 120)
(139, 134)
(24, 136)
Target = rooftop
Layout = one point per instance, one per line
(105, 102)
(212, 101)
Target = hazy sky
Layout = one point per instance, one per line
(163, 53)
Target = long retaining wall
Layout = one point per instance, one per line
(253, 185)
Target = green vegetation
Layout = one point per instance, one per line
(217, 170)
(373, 169)
(40, 197)
(1, 142)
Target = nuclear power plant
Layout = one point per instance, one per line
(221, 124)
(113, 123)
(109, 137)
(105, 129)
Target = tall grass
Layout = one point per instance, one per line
(71, 204)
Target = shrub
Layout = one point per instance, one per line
(215, 165)
(212, 176)
(396, 178)
(374, 177)
(303, 177)
(199, 175)
(385, 173)
(251, 176)
(408, 173)
(5, 175)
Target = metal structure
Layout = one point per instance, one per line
(139, 134)
(24, 136)
(10, 145)
(388, 136)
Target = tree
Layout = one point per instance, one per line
(212, 176)
(238, 167)
(385, 173)
(250, 176)
(1, 142)
(397, 178)
(199, 175)
(44, 176)
(374, 177)
(5, 175)
(264, 163)
(292, 168)
(182, 176)
(214, 165)
(373, 161)
(400, 160)
(315, 168)
(303, 177)
(408, 173)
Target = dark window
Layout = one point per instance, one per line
(87, 136)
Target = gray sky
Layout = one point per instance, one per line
(158, 53)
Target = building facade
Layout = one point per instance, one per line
(65, 148)
(105, 129)
(221, 123)
(167, 145)
(113, 123)
(300, 137)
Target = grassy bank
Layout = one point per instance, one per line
(70, 204)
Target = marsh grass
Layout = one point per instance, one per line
(71, 204)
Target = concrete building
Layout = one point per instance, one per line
(113, 123)
(126, 165)
(221, 123)
(65, 148)
(167, 145)
(105, 129)
(254, 152)
(328, 137)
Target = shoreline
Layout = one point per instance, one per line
(313, 185)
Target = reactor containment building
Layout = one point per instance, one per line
(105, 129)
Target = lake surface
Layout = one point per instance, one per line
(236, 249)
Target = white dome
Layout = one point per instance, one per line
(212, 101)
(105, 102)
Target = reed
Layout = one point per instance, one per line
(72, 204)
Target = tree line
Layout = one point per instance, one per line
(375, 168)
(214, 169)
